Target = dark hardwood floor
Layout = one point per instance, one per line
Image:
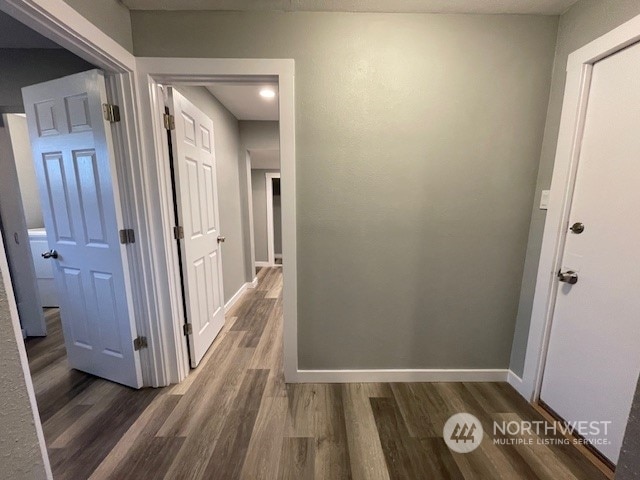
(234, 417)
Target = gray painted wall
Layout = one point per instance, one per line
(253, 135)
(584, 22)
(19, 446)
(22, 67)
(110, 16)
(259, 196)
(261, 135)
(226, 144)
(25, 167)
(418, 139)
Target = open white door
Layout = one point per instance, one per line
(23, 275)
(197, 202)
(74, 160)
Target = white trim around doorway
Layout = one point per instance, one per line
(170, 71)
(59, 22)
(579, 72)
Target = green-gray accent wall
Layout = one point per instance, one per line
(418, 140)
(110, 16)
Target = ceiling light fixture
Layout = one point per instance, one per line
(267, 93)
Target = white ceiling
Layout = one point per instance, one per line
(14, 34)
(544, 7)
(244, 100)
(265, 159)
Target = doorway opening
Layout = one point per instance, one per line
(223, 75)
(210, 128)
(64, 260)
(267, 210)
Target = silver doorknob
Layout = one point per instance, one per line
(569, 277)
(221, 239)
(50, 254)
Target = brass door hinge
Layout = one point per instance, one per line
(111, 112)
(140, 342)
(187, 329)
(127, 235)
(169, 121)
(178, 232)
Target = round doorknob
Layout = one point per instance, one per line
(50, 254)
(221, 239)
(577, 228)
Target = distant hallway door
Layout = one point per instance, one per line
(274, 219)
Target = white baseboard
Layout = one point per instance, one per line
(391, 376)
(262, 264)
(236, 296)
(516, 382)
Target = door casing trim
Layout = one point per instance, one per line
(155, 71)
(579, 72)
(58, 21)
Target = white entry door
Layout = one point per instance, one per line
(75, 166)
(593, 359)
(197, 199)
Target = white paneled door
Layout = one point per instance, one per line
(75, 166)
(593, 359)
(197, 205)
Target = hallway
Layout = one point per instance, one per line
(234, 417)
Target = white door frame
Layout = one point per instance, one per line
(271, 248)
(58, 21)
(153, 71)
(579, 73)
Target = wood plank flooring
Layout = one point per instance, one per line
(235, 418)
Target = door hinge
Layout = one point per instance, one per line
(187, 329)
(111, 112)
(169, 121)
(127, 235)
(140, 342)
(178, 232)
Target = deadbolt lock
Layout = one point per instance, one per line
(577, 228)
